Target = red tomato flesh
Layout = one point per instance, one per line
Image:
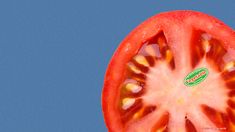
(144, 88)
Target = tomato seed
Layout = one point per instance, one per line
(127, 103)
(134, 69)
(141, 60)
(143, 112)
(134, 88)
(230, 66)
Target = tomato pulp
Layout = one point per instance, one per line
(144, 89)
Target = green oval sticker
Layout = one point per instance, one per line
(196, 77)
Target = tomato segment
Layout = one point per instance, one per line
(144, 89)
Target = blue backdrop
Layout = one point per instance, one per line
(54, 53)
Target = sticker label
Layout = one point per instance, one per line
(196, 77)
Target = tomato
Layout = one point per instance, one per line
(175, 72)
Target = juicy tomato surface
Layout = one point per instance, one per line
(144, 88)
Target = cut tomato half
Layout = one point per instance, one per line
(175, 72)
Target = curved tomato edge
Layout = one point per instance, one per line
(132, 49)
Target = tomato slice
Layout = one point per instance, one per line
(175, 72)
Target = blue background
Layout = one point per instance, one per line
(54, 53)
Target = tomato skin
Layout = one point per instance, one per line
(131, 44)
